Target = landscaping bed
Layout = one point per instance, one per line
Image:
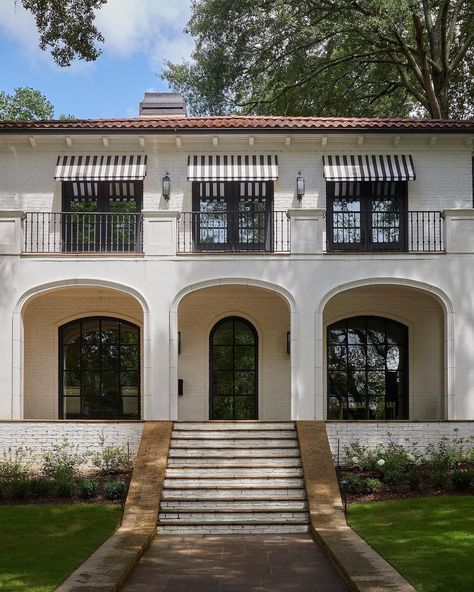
(428, 540)
(394, 471)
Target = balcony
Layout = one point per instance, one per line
(300, 231)
(91, 232)
(233, 232)
(390, 231)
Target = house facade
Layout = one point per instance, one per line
(274, 268)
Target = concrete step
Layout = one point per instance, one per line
(197, 443)
(220, 462)
(253, 453)
(238, 483)
(235, 434)
(263, 505)
(238, 494)
(246, 426)
(232, 472)
(233, 529)
(233, 517)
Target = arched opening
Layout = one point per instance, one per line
(233, 370)
(419, 319)
(367, 369)
(198, 312)
(75, 308)
(99, 369)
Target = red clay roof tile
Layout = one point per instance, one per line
(241, 123)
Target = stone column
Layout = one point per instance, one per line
(306, 231)
(459, 230)
(11, 232)
(159, 232)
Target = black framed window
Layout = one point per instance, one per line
(99, 369)
(101, 215)
(367, 216)
(233, 363)
(232, 215)
(367, 369)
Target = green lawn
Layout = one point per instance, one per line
(430, 541)
(40, 545)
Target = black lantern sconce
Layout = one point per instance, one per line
(179, 342)
(166, 186)
(299, 186)
(288, 342)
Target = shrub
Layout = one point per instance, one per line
(114, 490)
(414, 480)
(13, 466)
(19, 488)
(462, 479)
(447, 454)
(40, 486)
(88, 488)
(359, 485)
(62, 462)
(392, 475)
(439, 479)
(112, 460)
(65, 487)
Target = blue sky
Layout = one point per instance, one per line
(139, 36)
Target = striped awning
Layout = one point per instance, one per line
(248, 167)
(110, 167)
(357, 167)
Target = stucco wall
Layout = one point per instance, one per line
(42, 318)
(424, 318)
(269, 314)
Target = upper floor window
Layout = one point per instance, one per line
(367, 215)
(102, 196)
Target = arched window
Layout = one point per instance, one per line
(233, 352)
(367, 369)
(99, 369)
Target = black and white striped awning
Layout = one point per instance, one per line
(248, 167)
(357, 167)
(110, 167)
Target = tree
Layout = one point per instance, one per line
(66, 28)
(330, 57)
(26, 104)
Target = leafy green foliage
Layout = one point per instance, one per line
(114, 490)
(360, 485)
(448, 454)
(67, 28)
(329, 57)
(40, 486)
(439, 479)
(111, 460)
(88, 488)
(25, 104)
(462, 479)
(62, 462)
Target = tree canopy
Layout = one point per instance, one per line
(67, 28)
(26, 104)
(330, 57)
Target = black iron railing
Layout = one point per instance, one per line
(413, 231)
(236, 232)
(91, 232)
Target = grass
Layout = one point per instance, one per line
(40, 545)
(428, 540)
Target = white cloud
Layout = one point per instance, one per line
(152, 28)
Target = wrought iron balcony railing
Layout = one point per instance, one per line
(233, 232)
(413, 231)
(83, 232)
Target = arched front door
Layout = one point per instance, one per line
(233, 358)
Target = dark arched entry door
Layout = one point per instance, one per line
(233, 353)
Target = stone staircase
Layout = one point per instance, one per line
(233, 477)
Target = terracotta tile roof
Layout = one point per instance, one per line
(235, 122)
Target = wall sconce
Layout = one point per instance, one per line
(166, 186)
(179, 342)
(180, 387)
(288, 342)
(299, 186)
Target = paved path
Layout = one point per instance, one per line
(233, 563)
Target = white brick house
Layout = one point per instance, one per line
(239, 295)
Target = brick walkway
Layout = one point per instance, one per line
(233, 563)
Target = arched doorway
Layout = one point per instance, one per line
(99, 369)
(233, 363)
(367, 368)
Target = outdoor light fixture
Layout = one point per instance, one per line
(179, 342)
(166, 186)
(299, 186)
(288, 342)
